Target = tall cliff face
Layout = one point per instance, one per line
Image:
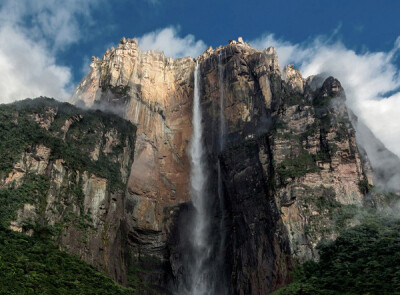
(63, 176)
(290, 163)
(291, 170)
(154, 92)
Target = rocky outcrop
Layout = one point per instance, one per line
(57, 190)
(154, 92)
(30, 162)
(290, 156)
(151, 91)
(290, 164)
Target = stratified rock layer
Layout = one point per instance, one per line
(66, 174)
(290, 162)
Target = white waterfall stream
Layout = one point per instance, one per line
(199, 279)
(203, 270)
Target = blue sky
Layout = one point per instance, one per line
(360, 25)
(46, 46)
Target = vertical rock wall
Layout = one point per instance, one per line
(289, 164)
(69, 181)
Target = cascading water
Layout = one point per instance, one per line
(199, 278)
(204, 258)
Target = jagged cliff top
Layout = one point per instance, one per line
(130, 47)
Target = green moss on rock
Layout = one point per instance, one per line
(297, 166)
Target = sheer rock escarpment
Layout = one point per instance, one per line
(290, 167)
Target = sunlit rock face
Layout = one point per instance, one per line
(289, 161)
(154, 92)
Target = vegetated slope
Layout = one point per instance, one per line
(33, 265)
(364, 259)
(63, 173)
(69, 132)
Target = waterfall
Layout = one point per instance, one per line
(199, 278)
(204, 261)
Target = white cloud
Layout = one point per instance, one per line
(366, 77)
(169, 41)
(27, 69)
(31, 34)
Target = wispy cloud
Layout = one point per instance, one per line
(371, 79)
(31, 34)
(169, 41)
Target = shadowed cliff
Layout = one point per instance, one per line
(284, 168)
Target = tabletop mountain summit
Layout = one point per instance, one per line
(213, 175)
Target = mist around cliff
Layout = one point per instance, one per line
(32, 35)
(385, 164)
(105, 105)
(371, 80)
